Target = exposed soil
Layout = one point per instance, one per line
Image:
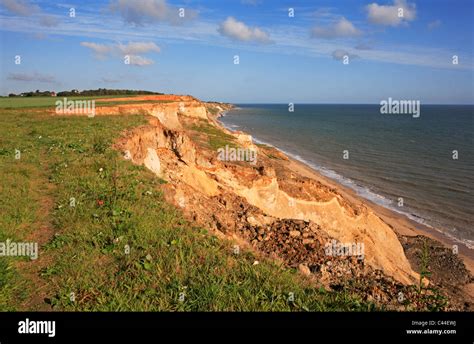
(31, 269)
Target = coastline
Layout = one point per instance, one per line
(400, 223)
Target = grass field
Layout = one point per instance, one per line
(46, 102)
(109, 242)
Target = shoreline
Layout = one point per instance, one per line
(400, 223)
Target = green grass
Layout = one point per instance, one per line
(46, 102)
(38, 102)
(119, 204)
(131, 101)
(215, 137)
(212, 109)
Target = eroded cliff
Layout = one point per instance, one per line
(174, 147)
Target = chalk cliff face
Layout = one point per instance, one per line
(220, 195)
(167, 110)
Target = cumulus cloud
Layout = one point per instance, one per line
(342, 28)
(237, 30)
(24, 8)
(149, 11)
(30, 77)
(340, 54)
(131, 49)
(391, 15)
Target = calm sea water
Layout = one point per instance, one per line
(390, 156)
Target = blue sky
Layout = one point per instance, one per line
(397, 48)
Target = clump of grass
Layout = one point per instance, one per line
(99, 145)
(430, 296)
(213, 110)
(216, 138)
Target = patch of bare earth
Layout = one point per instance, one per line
(30, 270)
(447, 271)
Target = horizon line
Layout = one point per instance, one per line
(309, 103)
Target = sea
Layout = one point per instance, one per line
(419, 166)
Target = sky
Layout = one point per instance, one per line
(339, 51)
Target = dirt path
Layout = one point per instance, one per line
(30, 270)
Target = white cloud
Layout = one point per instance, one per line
(100, 50)
(132, 50)
(289, 39)
(25, 9)
(138, 48)
(239, 31)
(150, 11)
(340, 29)
(391, 15)
(137, 60)
(340, 54)
(31, 77)
(48, 21)
(20, 7)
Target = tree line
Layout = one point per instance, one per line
(88, 93)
